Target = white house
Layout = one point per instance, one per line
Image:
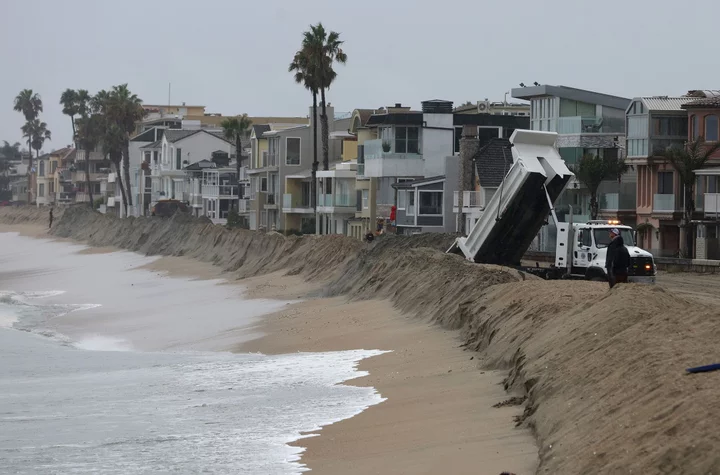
(177, 150)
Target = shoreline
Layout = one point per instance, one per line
(438, 415)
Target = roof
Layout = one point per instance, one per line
(175, 135)
(156, 144)
(492, 162)
(418, 182)
(400, 118)
(509, 121)
(260, 129)
(201, 165)
(713, 101)
(664, 103)
(571, 93)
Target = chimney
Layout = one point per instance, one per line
(469, 146)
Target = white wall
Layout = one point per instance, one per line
(196, 147)
(436, 143)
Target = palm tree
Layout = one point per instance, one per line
(30, 105)
(303, 75)
(592, 170)
(113, 139)
(69, 101)
(235, 128)
(686, 160)
(323, 50)
(90, 131)
(124, 109)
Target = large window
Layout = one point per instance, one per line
(665, 183)
(407, 140)
(41, 172)
(670, 126)
(178, 159)
(292, 151)
(431, 203)
(711, 128)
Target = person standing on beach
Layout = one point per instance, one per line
(617, 259)
(51, 218)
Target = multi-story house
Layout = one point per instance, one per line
(280, 171)
(177, 150)
(413, 163)
(704, 122)
(586, 122)
(54, 177)
(653, 124)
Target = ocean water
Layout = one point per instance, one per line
(107, 368)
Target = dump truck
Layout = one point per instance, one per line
(521, 206)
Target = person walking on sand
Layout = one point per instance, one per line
(617, 259)
(51, 218)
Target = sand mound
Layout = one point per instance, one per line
(605, 374)
(603, 371)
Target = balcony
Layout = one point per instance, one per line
(81, 176)
(472, 201)
(94, 156)
(379, 163)
(711, 205)
(590, 125)
(243, 176)
(244, 206)
(270, 160)
(65, 197)
(296, 204)
(617, 202)
(64, 176)
(220, 191)
(271, 200)
(328, 203)
(664, 203)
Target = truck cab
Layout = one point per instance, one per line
(583, 246)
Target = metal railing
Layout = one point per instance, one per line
(471, 199)
(270, 159)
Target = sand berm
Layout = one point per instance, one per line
(603, 371)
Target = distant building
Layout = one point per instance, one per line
(521, 109)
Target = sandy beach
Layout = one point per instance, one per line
(438, 415)
(600, 374)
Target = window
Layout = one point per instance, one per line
(263, 184)
(665, 183)
(431, 203)
(586, 236)
(292, 151)
(147, 157)
(407, 140)
(602, 237)
(155, 156)
(410, 203)
(164, 153)
(42, 168)
(41, 190)
(178, 159)
(365, 199)
(402, 199)
(712, 184)
(711, 128)
(305, 198)
(253, 153)
(695, 124)
(53, 167)
(458, 136)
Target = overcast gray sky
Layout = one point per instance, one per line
(232, 55)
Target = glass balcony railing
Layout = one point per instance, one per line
(663, 202)
(616, 202)
(711, 204)
(341, 200)
(590, 125)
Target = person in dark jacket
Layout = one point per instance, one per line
(617, 259)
